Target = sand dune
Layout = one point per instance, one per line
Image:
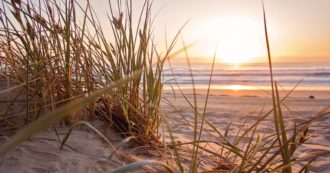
(85, 152)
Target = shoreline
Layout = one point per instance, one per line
(324, 94)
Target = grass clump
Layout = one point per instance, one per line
(58, 52)
(130, 50)
(44, 49)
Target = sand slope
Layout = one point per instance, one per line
(87, 153)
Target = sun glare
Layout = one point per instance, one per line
(239, 39)
(234, 87)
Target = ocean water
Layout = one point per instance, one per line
(311, 76)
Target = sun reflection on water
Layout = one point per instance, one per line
(237, 87)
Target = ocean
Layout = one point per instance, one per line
(311, 76)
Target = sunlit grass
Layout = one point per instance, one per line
(67, 69)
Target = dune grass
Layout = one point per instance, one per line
(59, 56)
(66, 69)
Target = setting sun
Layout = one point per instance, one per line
(238, 40)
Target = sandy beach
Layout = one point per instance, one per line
(239, 107)
(87, 152)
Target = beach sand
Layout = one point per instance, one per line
(84, 152)
(88, 153)
(238, 107)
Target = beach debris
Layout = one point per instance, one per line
(311, 97)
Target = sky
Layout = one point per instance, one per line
(299, 30)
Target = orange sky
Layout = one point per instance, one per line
(299, 30)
